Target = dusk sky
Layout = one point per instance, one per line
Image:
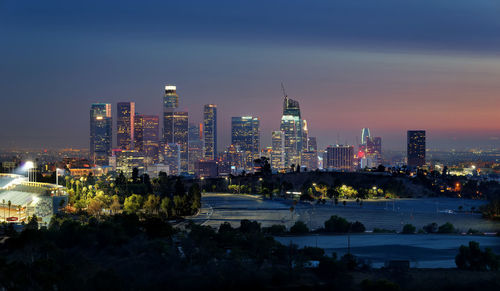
(389, 65)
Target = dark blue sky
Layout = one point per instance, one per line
(390, 65)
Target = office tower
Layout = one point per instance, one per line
(339, 157)
(231, 161)
(305, 135)
(278, 153)
(172, 158)
(210, 131)
(175, 130)
(125, 125)
(196, 147)
(246, 135)
(312, 144)
(170, 99)
(309, 160)
(146, 137)
(373, 151)
(127, 160)
(291, 126)
(365, 133)
(416, 148)
(101, 129)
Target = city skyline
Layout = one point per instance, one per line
(363, 75)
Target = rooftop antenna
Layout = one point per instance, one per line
(283, 89)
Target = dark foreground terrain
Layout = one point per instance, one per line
(125, 252)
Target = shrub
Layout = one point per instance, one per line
(473, 231)
(383, 230)
(446, 228)
(408, 229)
(299, 228)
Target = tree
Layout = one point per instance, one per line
(167, 206)
(95, 207)
(408, 229)
(337, 224)
(152, 204)
(179, 187)
(299, 228)
(472, 258)
(33, 223)
(431, 228)
(446, 228)
(115, 205)
(357, 227)
(135, 175)
(132, 204)
(194, 194)
(247, 226)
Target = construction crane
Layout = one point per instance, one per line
(283, 89)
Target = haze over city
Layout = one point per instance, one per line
(389, 65)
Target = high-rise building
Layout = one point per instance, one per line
(312, 144)
(146, 137)
(210, 131)
(365, 133)
(125, 125)
(416, 148)
(292, 127)
(231, 161)
(101, 130)
(245, 134)
(310, 160)
(172, 158)
(278, 153)
(305, 136)
(170, 98)
(339, 157)
(196, 147)
(175, 130)
(127, 160)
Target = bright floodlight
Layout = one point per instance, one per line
(29, 165)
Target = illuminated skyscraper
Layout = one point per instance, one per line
(416, 148)
(172, 158)
(292, 127)
(339, 157)
(175, 126)
(196, 148)
(305, 135)
(365, 134)
(246, 135)
(278, 153)
(100, 133)
(170, 99)
(125, 125)
(312, 144)
(210, 131)
(146, 139)
(175, 130)
(127, 160)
